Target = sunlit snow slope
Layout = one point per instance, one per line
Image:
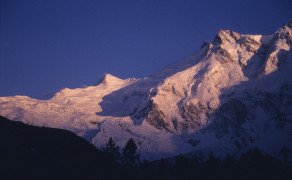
(233, 94)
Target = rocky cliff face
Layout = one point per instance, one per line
(231, 95)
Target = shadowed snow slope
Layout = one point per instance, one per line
(233, 94)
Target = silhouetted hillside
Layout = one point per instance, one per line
(29, 152)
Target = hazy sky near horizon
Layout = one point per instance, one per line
(47, 45)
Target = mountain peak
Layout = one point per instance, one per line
(285, 32)
(109, 79)
(234, 93)
(226, 35)
(289, 24)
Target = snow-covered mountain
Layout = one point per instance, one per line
(233, 94)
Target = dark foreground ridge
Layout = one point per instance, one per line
(29, 152)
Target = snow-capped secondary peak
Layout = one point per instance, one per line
(232, 94)
(110, 79)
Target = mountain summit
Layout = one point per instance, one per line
(233, 94)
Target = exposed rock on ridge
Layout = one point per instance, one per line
(231, 95)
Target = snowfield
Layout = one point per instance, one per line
(233, 94)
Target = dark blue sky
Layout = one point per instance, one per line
(47, 45)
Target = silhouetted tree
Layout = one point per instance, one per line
(112, 149)
(146, 170)
(130, 157)
(162, 170)
(181, 167)
(285, 152)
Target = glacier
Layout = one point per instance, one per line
(233, 94)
